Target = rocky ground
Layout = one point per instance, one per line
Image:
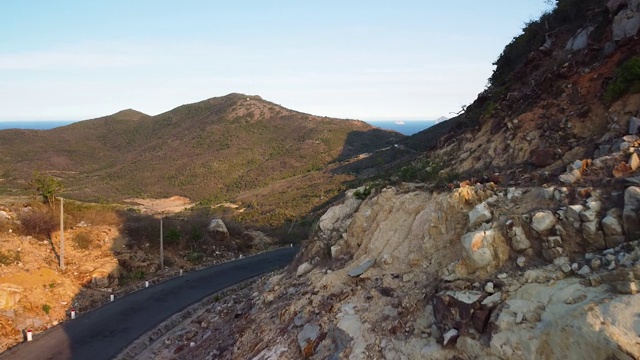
(480, 271)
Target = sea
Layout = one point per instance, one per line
(405, 127)
(34, 125)
(408, 127)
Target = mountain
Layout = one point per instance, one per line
(441, 119)
(210, 151)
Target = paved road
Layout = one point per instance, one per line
(104, 332)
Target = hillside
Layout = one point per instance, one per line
(210, 151)
(513, 235)
(561, 90)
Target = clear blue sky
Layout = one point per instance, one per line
(363, 59)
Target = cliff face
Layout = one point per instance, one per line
(477, 272)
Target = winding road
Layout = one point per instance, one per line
(102, 333)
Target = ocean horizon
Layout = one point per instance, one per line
(404, 127)
(34, 125)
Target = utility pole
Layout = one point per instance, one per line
(62, 234)
(161, 249)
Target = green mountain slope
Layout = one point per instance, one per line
(211, 151)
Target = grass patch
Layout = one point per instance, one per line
(195, 257)
(46, 308)
(134, 275)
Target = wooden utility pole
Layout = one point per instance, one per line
(161, 249)
(62, 234)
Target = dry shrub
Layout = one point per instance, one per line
(82, 240)
(92, 214)
(140, 229)
(39, 221)
(5, 225)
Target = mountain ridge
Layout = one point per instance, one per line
(212, 150)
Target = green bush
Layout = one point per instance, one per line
(82, 240)
(625, 81)
(361, 195)
(46, 186)
(172, 237)
(46, 308)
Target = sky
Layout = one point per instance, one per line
(358, 59)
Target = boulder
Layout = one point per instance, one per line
(338, 217)
(580, 40)
(304, 269)
(105, 276)
(611, 226)
(634, 162)
(615, 5)
(573, 212)
(308, 339)
(218, 229)
(360, 269)
(593, 235)
(588, 215)
(630, 219)
(543, 221)
(570, 177)
(478, 215)
(626, 24)
(337, 250)
(484, 250)
(634, 125)
(258, 239)
(9, 296)
(519, 241)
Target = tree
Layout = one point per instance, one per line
(46, 186)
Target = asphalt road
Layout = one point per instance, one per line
(102, 333)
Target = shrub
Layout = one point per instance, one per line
(195, 257)
(361, 195)
(39, 222)
(93, 214)
(172, 237)
(134, 275)
(141, 229)
(82, 240)
(5, 225)
(9, 257)
(46, 308)
(46, 186)
(568, 14)
(626, 80)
